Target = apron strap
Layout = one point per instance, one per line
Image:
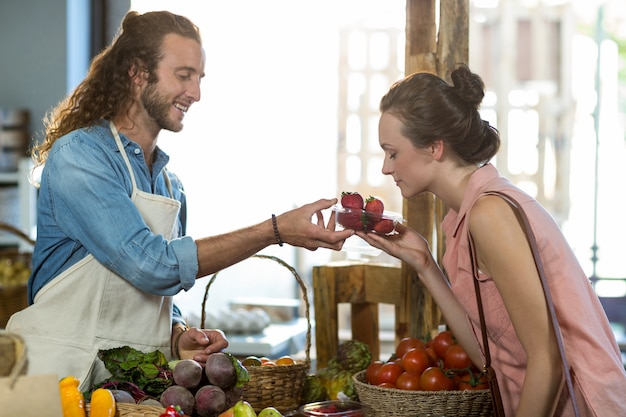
(118, 141)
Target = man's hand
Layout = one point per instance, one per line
(198, 344)
(297, 228)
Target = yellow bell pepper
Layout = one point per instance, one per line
(102, 403)
(72, 400)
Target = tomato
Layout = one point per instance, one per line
(442, 342)
(456, 358)
(370, 372)
(433, 379)
(408, 381)
(473, 381)
(387, 385)
(389, 373)
(416, 361)
(433, 356)
(407, 344)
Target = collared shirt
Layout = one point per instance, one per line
(84, 207)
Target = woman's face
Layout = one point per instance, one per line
(409, 166)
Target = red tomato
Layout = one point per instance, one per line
(433, 356)
(408, 381)
(387, 385)
(407, 344)
(456, 358)
(370, 372)
(433, 379)
(473, 381)
(442, 342)
(416, 361)
(389, 373)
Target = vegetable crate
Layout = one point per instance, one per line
(281, 386)
(13, 294)
(391, 402)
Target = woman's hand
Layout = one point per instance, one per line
(407, 245)
(198, 344)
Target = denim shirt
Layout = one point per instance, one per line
(84, 207)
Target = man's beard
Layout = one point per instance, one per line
(159, 108)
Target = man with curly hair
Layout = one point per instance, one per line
(111, 248)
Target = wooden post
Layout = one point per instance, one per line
(437, 53)
(364, 286)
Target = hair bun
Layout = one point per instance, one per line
(468, 86)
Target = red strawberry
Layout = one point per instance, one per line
(374, 205)
(351, 219)
(384, 226)
(351, 200)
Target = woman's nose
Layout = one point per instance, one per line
(386, 169)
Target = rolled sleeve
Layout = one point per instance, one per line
(186, 252)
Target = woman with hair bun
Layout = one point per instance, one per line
(435, 141)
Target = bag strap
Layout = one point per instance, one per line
(496, 397)
(546, 289)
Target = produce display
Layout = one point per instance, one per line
(439, 364)
(335, 381)
(147, 378)
(184, 388)
(367, 215)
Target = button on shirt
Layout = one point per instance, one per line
(84, 206)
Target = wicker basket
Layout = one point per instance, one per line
(389, 402)
(135, 410)
(13, 298)
(276, 386)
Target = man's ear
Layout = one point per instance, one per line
(138, 73)
(437, 149)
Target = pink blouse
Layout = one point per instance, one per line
(591, 349)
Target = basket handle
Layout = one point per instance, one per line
(8, 228)
(302, 288)
(20, 363)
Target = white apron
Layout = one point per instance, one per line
(88, 307)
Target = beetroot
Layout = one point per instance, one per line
(181, 396)
(122, 396)
(232, 396)
(220, 370)
(210, 400)
(188, 373)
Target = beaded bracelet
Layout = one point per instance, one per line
(280, 241)
(177, 339)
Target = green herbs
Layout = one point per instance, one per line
(148, 371)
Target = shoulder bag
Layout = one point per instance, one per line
(487, 369)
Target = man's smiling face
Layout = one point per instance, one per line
(178, 82)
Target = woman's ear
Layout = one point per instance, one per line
(436, 149)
